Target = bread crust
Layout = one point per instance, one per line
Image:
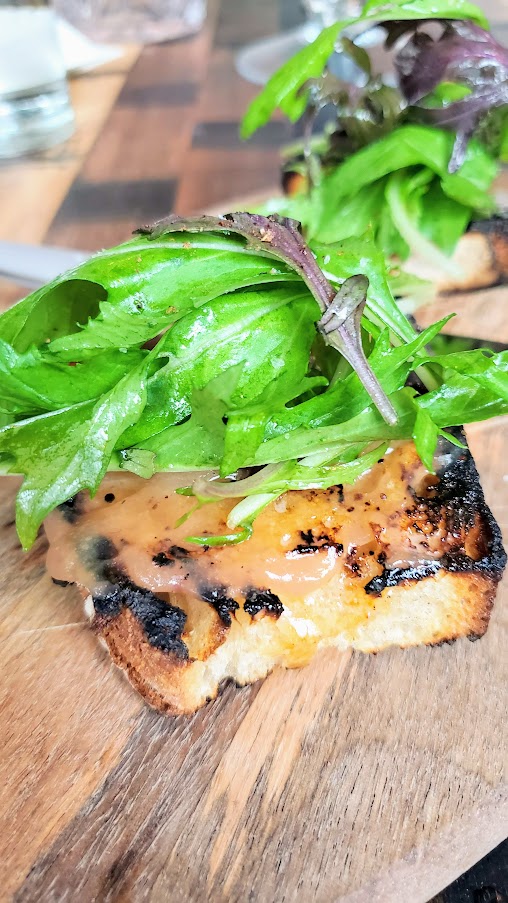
(438, 609)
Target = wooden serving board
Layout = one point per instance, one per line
(359, 778)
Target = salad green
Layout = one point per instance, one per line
(228, 345)
(416, 162)
(284, 90)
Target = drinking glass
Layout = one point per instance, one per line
(35, 111)
(326, 12)
(134, 21)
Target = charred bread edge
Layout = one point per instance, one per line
(136, 625)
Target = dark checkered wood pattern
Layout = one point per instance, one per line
(171, 141)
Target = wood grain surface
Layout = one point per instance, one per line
(357, 779)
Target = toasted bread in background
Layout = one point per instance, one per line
(481, 255)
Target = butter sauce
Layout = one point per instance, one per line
(315, 540)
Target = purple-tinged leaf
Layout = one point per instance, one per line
(462, 54)
(280, 238)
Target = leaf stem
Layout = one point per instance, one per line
(280, 237)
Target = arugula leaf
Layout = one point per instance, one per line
(283, 89)
(359, 212)
(129, 294)
(65, 451)
(33, 381)
(237, 444)
(197, 444)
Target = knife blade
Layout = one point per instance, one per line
(34, 265)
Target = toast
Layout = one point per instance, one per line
(403, 557)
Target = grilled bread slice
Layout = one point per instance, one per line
(403, 557)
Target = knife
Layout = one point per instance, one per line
(34, 265)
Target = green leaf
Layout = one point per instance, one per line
(472, 183)
(34, 381)
(131, 293)
(425, 435)
(65, 451)
(232, 383)
(243, 515)
(140, 461)
(197, 444)
(398, 196)
(354, 215)
(445, 94)
(487, 369)
(297, 475)
(281, 239)
(227, 539)
(408, 145)
(291, 476)
(423, 9)
(359, 429)
(343, 400)
(55, 310)
(283, 89)
(358, 54)
(343, 259)
(269, 333)
(245, 428)
(443, 220)
(462, 400)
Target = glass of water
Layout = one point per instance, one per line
(134, 21)
(35, 111)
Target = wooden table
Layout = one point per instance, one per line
(250, 799)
